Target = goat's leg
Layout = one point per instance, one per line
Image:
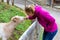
(4, 38)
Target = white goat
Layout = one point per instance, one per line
(6, 29)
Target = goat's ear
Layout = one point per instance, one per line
(14, 19)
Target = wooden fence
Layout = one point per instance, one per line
(8, 1)
(12, 1)
(34, 32)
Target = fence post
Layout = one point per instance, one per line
(25, 2)
(38, 31)
(7, 1)
(2, 0)
(52, 3)
(12, 2)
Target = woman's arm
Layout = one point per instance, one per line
(30, 17)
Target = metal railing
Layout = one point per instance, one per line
(34, 32)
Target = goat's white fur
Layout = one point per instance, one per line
(6, 29)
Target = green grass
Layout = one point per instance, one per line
(7, 12)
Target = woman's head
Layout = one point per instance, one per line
(29, 10)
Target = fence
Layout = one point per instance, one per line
(12, 1)
(25, 2)
(34, 32)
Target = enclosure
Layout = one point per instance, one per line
(24, 31)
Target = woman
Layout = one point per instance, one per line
(44, 18)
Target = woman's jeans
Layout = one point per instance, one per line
(49, 35)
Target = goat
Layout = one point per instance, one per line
(6, 29)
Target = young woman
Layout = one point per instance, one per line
(44, 18)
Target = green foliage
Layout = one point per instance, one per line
(7, 12)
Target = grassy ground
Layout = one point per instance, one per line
(7, 12)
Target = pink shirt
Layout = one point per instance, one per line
(45, 19)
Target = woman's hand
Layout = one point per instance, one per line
(26, 17)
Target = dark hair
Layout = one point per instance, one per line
(29, 9)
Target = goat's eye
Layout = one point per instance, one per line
(14, 21)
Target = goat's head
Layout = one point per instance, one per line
(17, 19)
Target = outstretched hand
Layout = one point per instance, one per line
(26, 17)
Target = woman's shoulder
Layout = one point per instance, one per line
(40, 10)
(37, 6)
